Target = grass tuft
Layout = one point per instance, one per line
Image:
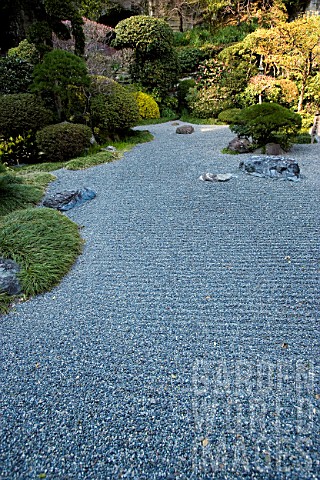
(45, 244)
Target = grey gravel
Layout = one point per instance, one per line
(184, 343)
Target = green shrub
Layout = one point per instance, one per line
(25, 51)
(189, 58)
(196, 37)
(61, 80)
(15, 75)
(267, 122)
(208, 102)
(155, 62)
(63, 141)
(148, 107)
(21, 113)
(183, 90)
(113, 108)
(229, 116)
(20, 149)
(149, 35)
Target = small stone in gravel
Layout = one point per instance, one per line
(185, 129)
(215, 177)
(9, 282)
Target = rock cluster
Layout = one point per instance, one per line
(271, 167)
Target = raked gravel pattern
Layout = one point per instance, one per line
(184, 343)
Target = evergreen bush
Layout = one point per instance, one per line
(61, 79)
(15, 75)
(21, 113)
(113, 108)
(63, 141)
(267, 122)
(155, 62)
(229, 116)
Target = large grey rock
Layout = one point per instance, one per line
(240, 145)
(185, 129)
(215, 177)
(66, 200)
(9, 282)
(272, 167)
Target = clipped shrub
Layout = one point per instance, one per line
(15, 75)
(183, 90)
(267, 122)
(229, 116)
(63, 141)
(21, 113)
(148, 107)
(25, 51)
(155, 62)
(113, 108)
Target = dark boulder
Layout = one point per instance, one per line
(240, 145)
(9, 282)
(185, 129)
(66, 200)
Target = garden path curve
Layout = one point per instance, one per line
(184, 342)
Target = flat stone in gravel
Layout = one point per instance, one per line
(185, 129)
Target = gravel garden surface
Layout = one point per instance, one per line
(184, 343)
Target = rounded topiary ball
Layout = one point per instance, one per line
(148, 107)
(63, 141)
(113, 108)
(21, 113)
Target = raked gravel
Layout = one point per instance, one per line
(184, 343)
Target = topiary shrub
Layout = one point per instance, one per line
(21, 113)
(229, 116)
(148, 107)
(113, 109)
(267, 122)
(63, 141)
(15, 75)
(155, 63)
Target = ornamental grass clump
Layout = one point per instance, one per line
(43, 242)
